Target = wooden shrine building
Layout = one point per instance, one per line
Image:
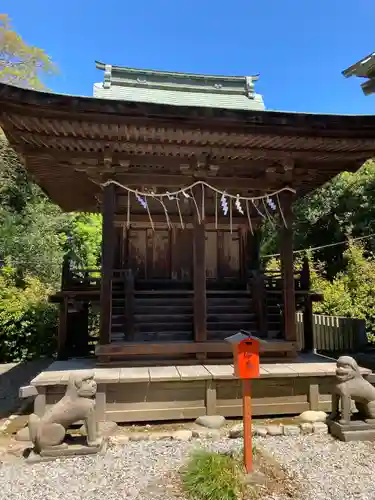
(184, 169)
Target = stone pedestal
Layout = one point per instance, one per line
(356, 430)
(74, 444)
(70, 449)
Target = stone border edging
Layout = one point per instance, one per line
(235, 432)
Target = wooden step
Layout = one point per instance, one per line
(172, 293)
(229, 308)
(216, 335)
(158, 301)
(162, 318)
(228, 293)
(173, 336)
(231, 325)
(229, 301)
(164, 327)
(165, 310)
(158, 337)
(235, 318)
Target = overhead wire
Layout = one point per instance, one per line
(321, 247)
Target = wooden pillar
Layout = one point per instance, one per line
(108, 245)
(287, 268)
(253, 251)
(199, 264)
(62, 332)
(65, 274)
(308, 326)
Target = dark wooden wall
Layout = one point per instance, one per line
(166, 253)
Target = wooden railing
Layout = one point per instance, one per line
(333, 334)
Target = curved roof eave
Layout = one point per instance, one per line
(13, 98)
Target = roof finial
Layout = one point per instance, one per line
(250, 86)
(107, 76)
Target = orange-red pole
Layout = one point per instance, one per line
(247, 436)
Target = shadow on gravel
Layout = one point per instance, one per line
(12, 377)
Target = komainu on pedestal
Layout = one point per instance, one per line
(49, 432)
(351, 388)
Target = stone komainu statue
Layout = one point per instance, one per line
(351, 386)
(78, 403)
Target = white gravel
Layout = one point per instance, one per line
(327, 469)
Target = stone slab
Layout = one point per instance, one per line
(353, 432)
(58, 372)
(136, 374)
(69, 452)
(27, 391)
(194, 372)
(220, 371)
(280, 370)
(163, 374)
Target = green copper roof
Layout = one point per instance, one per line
(365, 68)
(179, 89)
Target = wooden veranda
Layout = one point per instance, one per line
(174, 289)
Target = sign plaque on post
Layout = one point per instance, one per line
(246, 367)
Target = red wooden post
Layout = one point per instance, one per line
(246, 367)
(247, 424)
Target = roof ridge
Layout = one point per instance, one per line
(181, 74)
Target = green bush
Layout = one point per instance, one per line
(351, 292)
(27, 321)
(213, 476)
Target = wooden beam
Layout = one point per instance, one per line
(108, 245)
(199, 270)
(287, 269)
(182, 152)
(175, 219)
(164, 348)
(179, 181)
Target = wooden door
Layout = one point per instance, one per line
(224, 254)
(137, 251)
(160, 254)
(182, 254)
(211, 253)
(229, 255)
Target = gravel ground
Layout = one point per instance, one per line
(141, 470)
(328, 469)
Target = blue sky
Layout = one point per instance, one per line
(298, 47)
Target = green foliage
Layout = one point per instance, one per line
(342, 208)
(32, 229)
(86, 238)
(351, 292)
(27, 320)
(21, 64)
(213, 476)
